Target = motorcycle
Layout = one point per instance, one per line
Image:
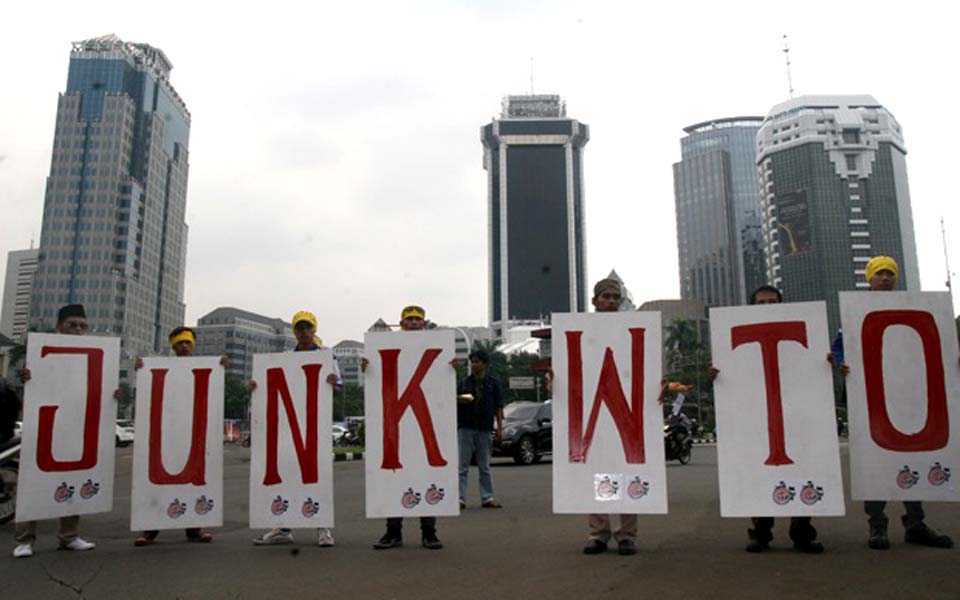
(678, 438)
(9, 465)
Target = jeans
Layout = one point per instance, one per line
(428, 526)
(802, 530)
(600, 528)
(878, 518)
(475, 441)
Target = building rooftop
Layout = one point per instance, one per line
(724, 123)
(534, 106)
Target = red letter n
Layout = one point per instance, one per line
(195, 470)
(769, 335)
(936, 431)
(91, 419)
(305, 445)
(629, 420)
(413, 398)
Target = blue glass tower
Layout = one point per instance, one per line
(114, 233)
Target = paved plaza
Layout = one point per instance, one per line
(521, 551)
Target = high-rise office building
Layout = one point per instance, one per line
(719, 240)
(17, 285)
(114, 234)
(533, 155)
(833, 174)
(240, 334)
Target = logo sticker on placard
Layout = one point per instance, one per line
(63, 492)
(279, 506)
(638, 488)
(89, 489)
(938, 474)
(176, 509)
(811, 493)
(606, 486)
(310, 507)
(433, 495)
(203, 505)
(409, 499)
(907, 478)
(783, 494)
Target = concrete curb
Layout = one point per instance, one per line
(344, 456)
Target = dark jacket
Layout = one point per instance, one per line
(480, 413)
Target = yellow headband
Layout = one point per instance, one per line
(881, 263)
(183, 336)
(413, 311)
(304, 316)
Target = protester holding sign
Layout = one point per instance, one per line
(881, 273)
(305, 330)
(412, 318)
(71, 320)
(475, 423)
(606, 298)
(802, 532)
(183, 340)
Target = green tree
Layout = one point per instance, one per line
(236, 398)
(348, 403)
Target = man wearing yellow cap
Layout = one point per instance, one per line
(412, 318)
(305, 330)
(183, 340)
(881, 274)
(606, 298)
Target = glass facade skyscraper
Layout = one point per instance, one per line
(833, 174)
(114, 234)
(719, 241)
(533, 155)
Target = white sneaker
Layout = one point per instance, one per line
(274, 536)
(23, 551)
(325, 537)
(78, 544)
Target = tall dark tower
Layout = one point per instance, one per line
(533, 155)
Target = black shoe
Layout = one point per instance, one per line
(389, 540)
(431, 542)
(755, 546)
(627, 547)
(808, 547)
(878, 538)
(922, 535)
(595, 547)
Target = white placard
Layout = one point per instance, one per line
(411, 424)
(903, 395)
(608, 452)
(178, 450)
(777, 444)
(291, 459)
(69, 426)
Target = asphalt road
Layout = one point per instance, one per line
(521, 551)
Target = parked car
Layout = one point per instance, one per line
(125, 433)
(527, 432)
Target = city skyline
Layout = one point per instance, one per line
(355, 188)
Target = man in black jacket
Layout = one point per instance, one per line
(475, 419)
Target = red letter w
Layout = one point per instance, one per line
(629, 420)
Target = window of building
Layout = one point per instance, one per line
(851, 161)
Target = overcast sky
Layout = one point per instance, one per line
(335, 156)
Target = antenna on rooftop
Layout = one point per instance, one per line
(786, 54)
(531, 75)
(946, 257)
